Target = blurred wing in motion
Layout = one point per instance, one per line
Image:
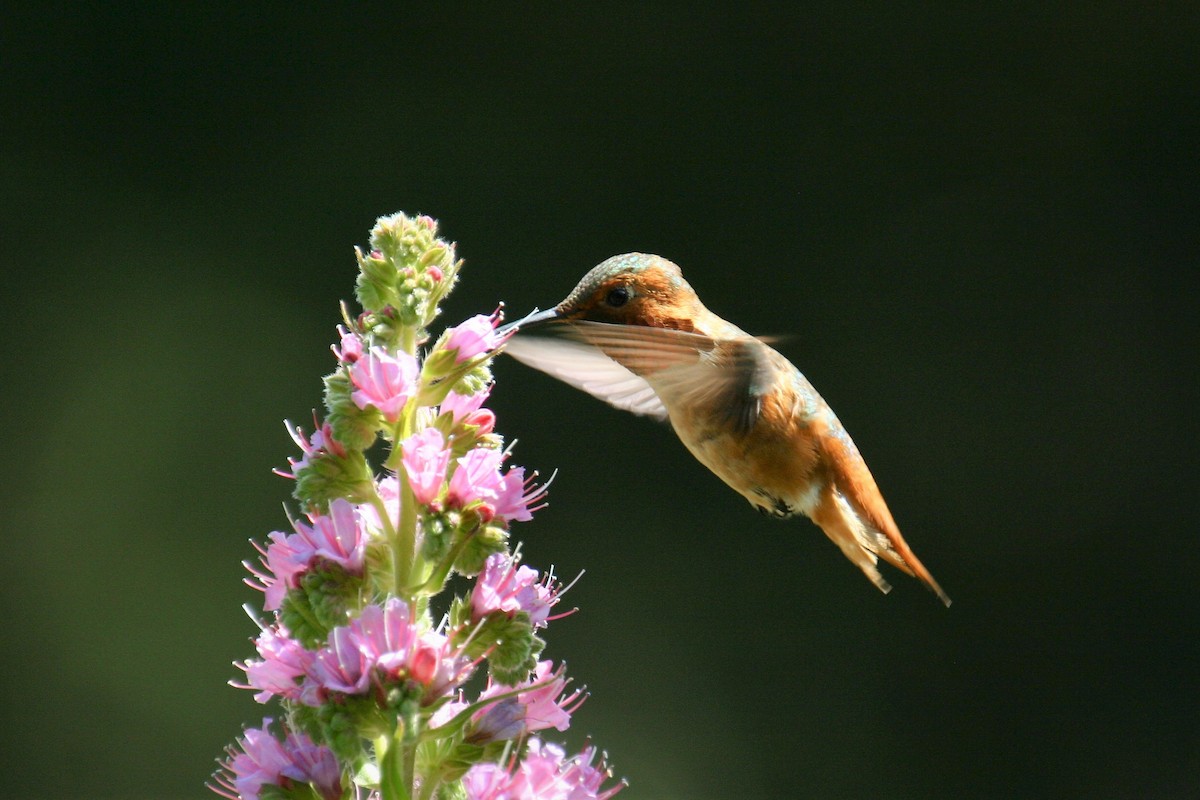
(634, 367)
(586, 367)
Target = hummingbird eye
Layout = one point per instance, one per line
(617, 296)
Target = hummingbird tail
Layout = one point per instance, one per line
(863, 544)
(843, 527)
(898, 553)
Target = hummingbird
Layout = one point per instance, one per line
(634, 334)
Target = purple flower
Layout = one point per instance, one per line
(283, 662)
(384, 642)
(315, 764)
(337, 538)
(425, 461)
(502, 720)
(474, 337)
(341, 666)
(542, 705)
(259, 759)
(545, 773)
(384, 381)
(503, 586)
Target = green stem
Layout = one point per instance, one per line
(403, 537)
(409, 751)
(389, 528)
(405, 542)
(433, 584)
(429, 788)
(408, 339)
(394, 783)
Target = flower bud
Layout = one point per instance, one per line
(482, 543)
(353, 426)
(375, 286)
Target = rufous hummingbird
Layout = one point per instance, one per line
(634, 334)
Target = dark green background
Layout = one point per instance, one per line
(978, 229)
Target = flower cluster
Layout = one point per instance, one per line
(262, 760)
(373, 689)
(545, 772)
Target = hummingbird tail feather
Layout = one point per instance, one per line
(898, 553)
(879, 533)
(844, 528)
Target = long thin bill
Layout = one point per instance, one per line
(532, 318)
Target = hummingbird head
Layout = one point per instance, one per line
(630, 289)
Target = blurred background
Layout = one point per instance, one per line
(977, 229)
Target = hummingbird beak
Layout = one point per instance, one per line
(534, 317)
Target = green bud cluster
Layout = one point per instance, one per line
(507, 641)
(405, 275)
(354, 427)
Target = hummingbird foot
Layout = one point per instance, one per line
(774, 506)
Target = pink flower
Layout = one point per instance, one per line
(386, 635)
(545, 773)
(466, 409)
(341, 666)
(259, 760)
(488, 781)
(545, 705)
(447, 712)
(462, 404)
(389, 492)
(337, 538)
(542, 705)
(351, 348)
(384, 381)
(283, 662)
(503, 586)
(510, 496)
(517, 496)
(320, 443)
(425, 461)
(398, 650)
(477, 479)
(384, 644)
(475, 337)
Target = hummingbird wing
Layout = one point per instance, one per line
(644, 369)
(588, 368)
